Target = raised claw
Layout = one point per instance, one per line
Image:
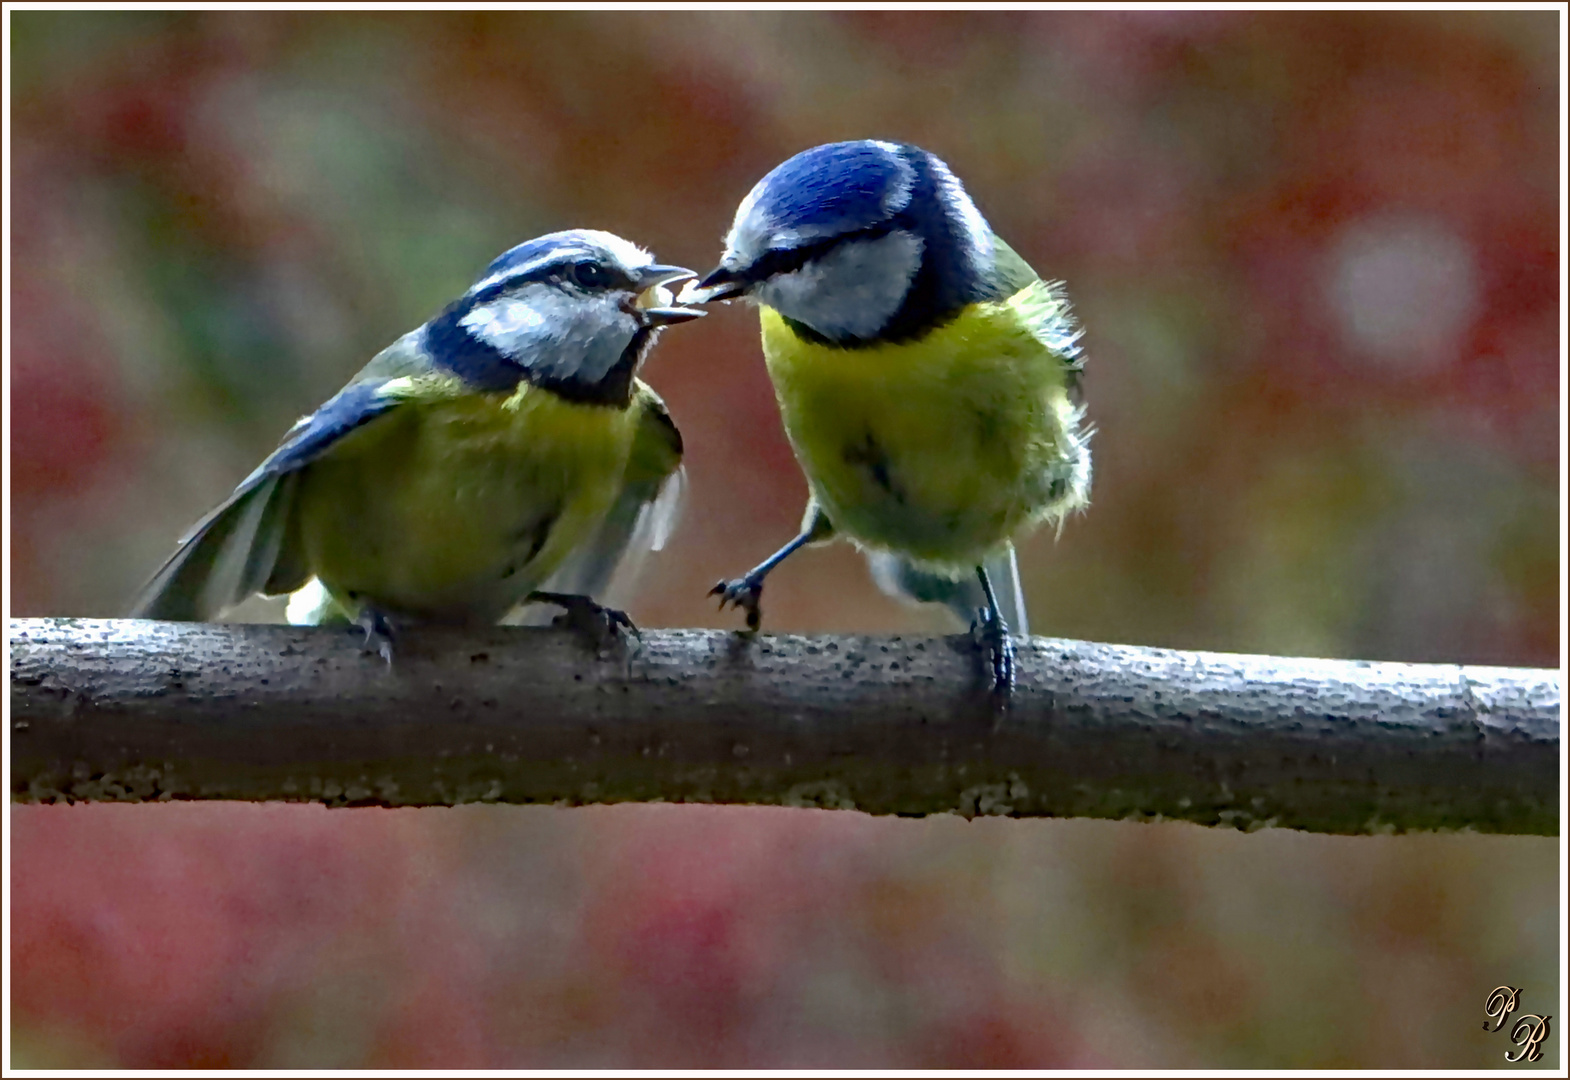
(743, 593)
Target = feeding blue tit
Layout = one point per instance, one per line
(505, 451)
(926, 375)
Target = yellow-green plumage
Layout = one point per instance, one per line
(502, 452)
(456, 504)
(942, 448)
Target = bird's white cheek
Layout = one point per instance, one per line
(556, 334)
(511, 325)
(853, 291)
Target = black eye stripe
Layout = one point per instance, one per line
(775, 261)
(564, 269)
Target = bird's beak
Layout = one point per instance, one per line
(721, 283)
(651, 276)
(655, 301)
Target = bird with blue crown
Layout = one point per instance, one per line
(926, 376)
(504, 452)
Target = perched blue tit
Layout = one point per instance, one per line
(505, 451)
(926, 375)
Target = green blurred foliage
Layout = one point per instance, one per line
(1316, 255)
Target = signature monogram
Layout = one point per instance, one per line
(1529, 1031)
(1501, 1003)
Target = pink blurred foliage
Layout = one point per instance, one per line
(185, 935)
(716, 923)
(1410, 122)
(168, 934)
(145, 113)
(63, 416)
(63, 399)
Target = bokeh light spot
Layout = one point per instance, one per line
(1403, 290)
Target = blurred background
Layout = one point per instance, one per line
(1317, 258)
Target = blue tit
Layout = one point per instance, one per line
(505, 451)
(926, 375)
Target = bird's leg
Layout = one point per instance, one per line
(997, 642)
(602, 626)
(745, 591)
(378, 633)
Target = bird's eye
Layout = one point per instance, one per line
(590, 275)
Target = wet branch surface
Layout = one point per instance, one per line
(136, 710)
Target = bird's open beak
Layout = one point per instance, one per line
(721, 283)
(655, 301)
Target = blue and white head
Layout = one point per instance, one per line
(858, 242)
(575, 312)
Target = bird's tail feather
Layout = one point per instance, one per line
(226, 557)
(960, 593)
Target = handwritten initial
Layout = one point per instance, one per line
(1528, 1034)
(1501, 1003)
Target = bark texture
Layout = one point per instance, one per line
(136, 710)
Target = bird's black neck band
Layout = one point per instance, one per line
(489, 370)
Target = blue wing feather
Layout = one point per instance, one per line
(232, 551)
(351, 407)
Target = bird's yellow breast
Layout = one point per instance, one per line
(940, 448)
(454, 509)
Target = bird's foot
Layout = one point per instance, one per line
(601, 626)
(378, 633)
(992, 635)
(744, 594)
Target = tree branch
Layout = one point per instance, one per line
(131, 710)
